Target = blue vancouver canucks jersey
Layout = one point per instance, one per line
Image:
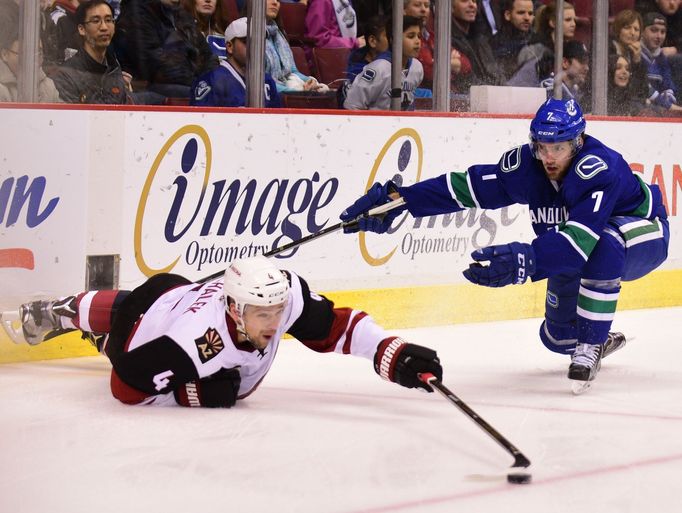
(568, 217)
(224, 86)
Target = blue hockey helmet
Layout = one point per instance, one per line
(557, 121)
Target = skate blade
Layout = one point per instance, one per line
(580, 387)
(11, 323)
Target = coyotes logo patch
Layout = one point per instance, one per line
(209, 345)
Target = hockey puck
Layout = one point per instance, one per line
(519, 478)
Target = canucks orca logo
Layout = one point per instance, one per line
(589, 166)
(570, 108)
(552, 299)
(201, 90)
(368, 75)
(511, 160)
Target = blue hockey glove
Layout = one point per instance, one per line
(377, 195)
(509, 263)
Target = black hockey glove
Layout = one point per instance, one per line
(401, 362)
(376, 196)
(509, 263)
(217, 391)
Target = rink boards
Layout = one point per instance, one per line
(187, 191)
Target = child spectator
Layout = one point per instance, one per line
(422, 9)
(371, 90)
(225, 85)
(514, 33)
(210, 22)
(94, 75)
(661, 87)
(332, 24)
(374, 32)
(279, 61)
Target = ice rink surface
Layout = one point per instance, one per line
(324, 434)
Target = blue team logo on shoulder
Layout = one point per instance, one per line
(201, 90)
(589, 166)
(368, 74)
(511, 160)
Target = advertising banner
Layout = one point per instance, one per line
(43, 196)
(231, 186)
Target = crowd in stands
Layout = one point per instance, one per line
(337, 53)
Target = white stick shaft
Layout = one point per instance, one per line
(386, 207)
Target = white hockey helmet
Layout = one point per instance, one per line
(254, 281)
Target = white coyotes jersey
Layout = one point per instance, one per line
(194, 316)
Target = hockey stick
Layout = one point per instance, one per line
(376, 211)
(514, 475)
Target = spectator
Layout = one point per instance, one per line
(575, 66)
(210, 21)
(541, 44)
(620, 99)
(488, 17)
(661, 88)
(94, 75)
(64, 31)
(673, 17)
(374, 33)
(225, 86)
(332, 24)
(422, 9)
(10, 49)
(627, 29)
(160, 43)
(514, 33)
(475, 47)
(279, 61)
(371, 90)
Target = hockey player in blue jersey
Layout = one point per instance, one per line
(224, 86)
(596, 224)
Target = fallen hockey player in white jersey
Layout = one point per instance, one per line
(211, 344)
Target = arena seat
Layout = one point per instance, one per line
(301, 60)
(292, 18)
(331, 65)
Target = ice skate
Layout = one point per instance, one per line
(40, 319)
(586, 361)
(585, 364)
(614, 342)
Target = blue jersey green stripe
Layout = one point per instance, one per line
(581, 237)
(460, 187)
(644, 208)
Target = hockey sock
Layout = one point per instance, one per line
(597, 301)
